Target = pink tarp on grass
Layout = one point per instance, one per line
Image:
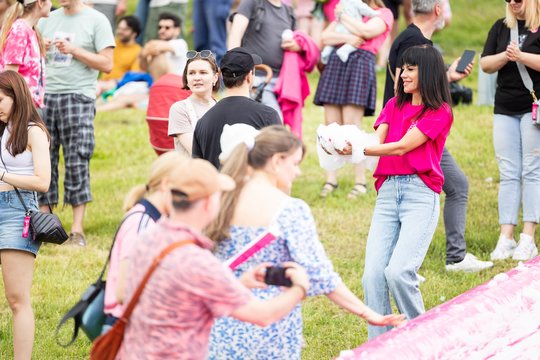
(496, 320)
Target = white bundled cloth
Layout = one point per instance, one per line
(334, 136)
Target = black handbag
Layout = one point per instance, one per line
(44, 227)
(88, 314)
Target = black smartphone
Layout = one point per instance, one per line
(466, 58)
(275, 275)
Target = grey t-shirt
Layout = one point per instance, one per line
(267, 41)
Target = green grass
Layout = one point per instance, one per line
(122, 158)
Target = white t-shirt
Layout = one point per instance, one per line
(178, 58)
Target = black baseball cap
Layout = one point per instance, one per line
(238, 61)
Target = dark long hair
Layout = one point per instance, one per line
(432, 80)
(23, 112)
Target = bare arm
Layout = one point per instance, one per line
(101, 61)
(238, 29)
(40, 181)
(344, 298)
(12, 67)
(366, 30)
(186, 139)
(263, 313)
(331, 38)
(493, 63)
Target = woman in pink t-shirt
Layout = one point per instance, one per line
(22, 48)
(412, 128)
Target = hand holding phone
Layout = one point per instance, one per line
(275, 275)
(466, 58)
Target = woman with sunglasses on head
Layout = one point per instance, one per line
(22, 48)
(515, 137)
(201, 77)
(25, 165)
(412, 129)
(264, 168)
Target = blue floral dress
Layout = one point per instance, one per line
(298, 241)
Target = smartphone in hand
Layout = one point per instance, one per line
(466, 58)
(275, 275)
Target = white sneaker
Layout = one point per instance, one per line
(504, 249)
(469, 264)
(526, 248)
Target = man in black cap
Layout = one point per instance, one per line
(237, 71)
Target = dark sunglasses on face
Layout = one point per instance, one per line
(203, 54)
(515, 1)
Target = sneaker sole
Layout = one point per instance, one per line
(534, 253)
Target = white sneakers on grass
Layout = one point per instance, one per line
(469, 264)
(525, 250)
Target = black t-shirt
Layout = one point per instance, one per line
(511, 96)
(230, 110)
(411, 36)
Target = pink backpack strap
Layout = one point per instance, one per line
(252, 248)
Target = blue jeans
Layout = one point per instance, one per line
(141, 13)
(209, 22)
(404, 220)
(517, 148)
(268, 96)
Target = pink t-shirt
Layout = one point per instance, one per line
(373, 45)
(425, 160)
(189, 288)
(136, 219)
(22, 48)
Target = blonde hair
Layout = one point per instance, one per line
(275, 139)
(532, 15)
(161, 168)
(14, 12)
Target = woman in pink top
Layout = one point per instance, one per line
(412, 128)
(22, 48)
(347, 90)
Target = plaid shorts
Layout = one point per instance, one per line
(70, 121)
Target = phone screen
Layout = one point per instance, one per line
(466, 59)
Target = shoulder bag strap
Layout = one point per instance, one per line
(525, 77)
(114, 240)
(135, 298)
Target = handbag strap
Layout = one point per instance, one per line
(114, 241)
(525, 77)
(135, 298)
(14, 187)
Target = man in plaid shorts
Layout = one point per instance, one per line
(80, 44)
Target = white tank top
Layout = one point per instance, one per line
(22, 164)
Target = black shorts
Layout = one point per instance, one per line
(393, 5)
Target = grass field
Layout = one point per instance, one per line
(122, 158)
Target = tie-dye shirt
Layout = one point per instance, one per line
(22, 48)
(188, 289)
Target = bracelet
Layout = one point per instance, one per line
(303, 290)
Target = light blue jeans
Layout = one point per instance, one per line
(404, 220)
(517, 148)
(268, 96)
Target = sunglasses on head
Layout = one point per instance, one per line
(203, 54)
(515, 1)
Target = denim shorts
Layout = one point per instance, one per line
(12, 215)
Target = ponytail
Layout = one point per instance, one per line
(14, 12)
(134, 196)
(236, 166)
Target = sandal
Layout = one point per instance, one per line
(357, 190)
(327, 189)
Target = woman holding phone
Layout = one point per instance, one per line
(515, 137)
(264, 169)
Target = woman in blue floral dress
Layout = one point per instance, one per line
(264, 171)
